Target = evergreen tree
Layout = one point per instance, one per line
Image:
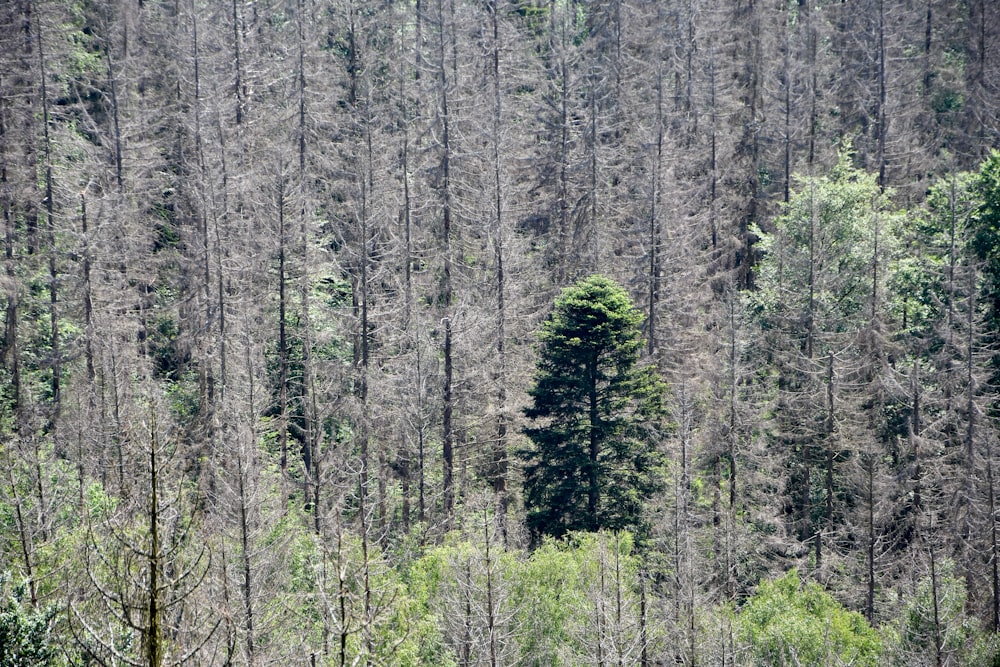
(986, 231)
(820, 305)
(24, 633)
(595, 415)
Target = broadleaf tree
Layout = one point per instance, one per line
(595, 416)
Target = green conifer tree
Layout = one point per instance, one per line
(986, 232)
(596, 414)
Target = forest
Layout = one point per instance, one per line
(499, 332)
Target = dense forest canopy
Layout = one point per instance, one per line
(281, 286)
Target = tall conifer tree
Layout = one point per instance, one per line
(596, 414)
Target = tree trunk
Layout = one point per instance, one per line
(448, 434)
(593, 485)
(499, 463)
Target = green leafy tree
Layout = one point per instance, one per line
(787, 622)
(595, 414)
(24, 634)
(986, 223)
(935, 626)
(821, 306)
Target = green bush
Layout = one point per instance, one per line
(787, 622)
(24, 634)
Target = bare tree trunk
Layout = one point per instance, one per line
(283, 351)
(869, 463)
(558, 44)
(115, 107)
(731, 447)
(935, 602)
(448, 435)
(88, 300)
(827, 524)
(750, 143)
(50, 237)
(499, 463)
(25, 540)
(654, 222)
(421, 441)
(994, 542)
(311, 487)
(643, 622)
(881, 118)
(239, 86)
(153, 632)
(491, 612)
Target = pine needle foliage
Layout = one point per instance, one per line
(596, 415)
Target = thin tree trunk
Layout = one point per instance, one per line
(448, 435)
(751, 144)
(405, 454)
(654, 222)
(914, 433)
(88, 300)
(153, 638)
(114, 98)
(562, 246)
(283, 352)
(491, 612)
(238, 85)
(50, 238)
(309, 401)
(619, 640)
(499, 467)
(994, 545)
(643, 623)
(881, 118)
(829, 428)
(465, 648)
(787, 86)
(421, 437)
(593, 488)
(731, 446)
(24, 536)
(870, 529)
(713, 185)
(247, 584)
(938, 658)
(970, 384)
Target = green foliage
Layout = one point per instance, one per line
(986, 223)
(961, 638)
(339, 592)
(947, 101)
(823, 284)
(787, 622)
(549, 581)
(564, 591)
(769, 441)
(24, 633)
(551, 607)
(815, 275)
(534, 14)
(400, 628)
(595, 414)
(922, 282)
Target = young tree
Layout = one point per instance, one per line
(595, 412)
(819, 281)
(986, 232)
(143, 564)
(25, 632)
(788, 623)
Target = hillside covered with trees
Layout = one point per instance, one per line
(499, 332)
